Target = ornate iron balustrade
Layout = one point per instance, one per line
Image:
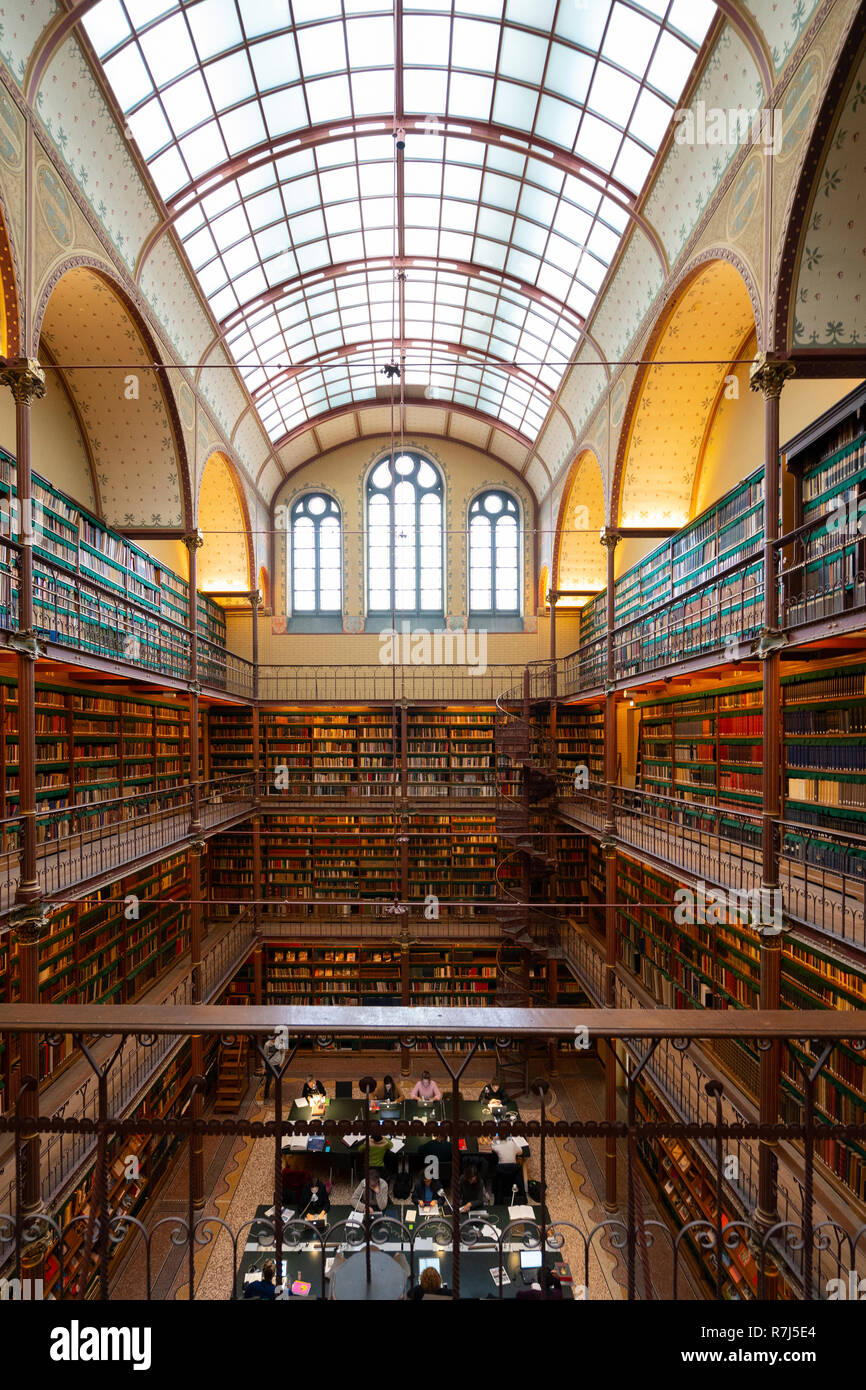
(822, 872)
(79, 843)
(386, 682)
(823, 1250)
(79, 612)
(821, 567)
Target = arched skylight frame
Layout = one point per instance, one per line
(495, 550)
(406, 562)
(269, 130)
(315, 558)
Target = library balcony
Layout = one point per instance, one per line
(791, 1254)
(80, 844)
(822, 872)
(72, 1094)
(106, 627)
(390, 681)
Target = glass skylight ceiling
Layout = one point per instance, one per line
(293, 243)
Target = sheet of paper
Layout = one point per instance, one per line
(521, 1213)
(397, 1145)
(301, 1103)
(287, 1215)
(355, 1218)
(410, 1215)
(500, 1282)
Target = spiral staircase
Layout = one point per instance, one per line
(525, 782)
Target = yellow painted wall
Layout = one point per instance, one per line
(735, 441)
(57, 448)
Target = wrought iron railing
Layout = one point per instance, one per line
(79, 843)
(80, 613)
(793, 1256)
(822, 872)
(386, 681)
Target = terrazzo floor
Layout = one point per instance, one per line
(239, 1175)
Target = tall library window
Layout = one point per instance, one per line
(494, 549)
(316, 558)
(405, 559)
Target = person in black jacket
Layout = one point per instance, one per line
(471, 1191)
(493, 1091)
(315, 1199)
(312, 1087)
(264, 1287)
(426, 1190)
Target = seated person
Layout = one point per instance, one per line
(314, 1199)
(264, 1287)
(426, 1089)
(426, 1191)
(389, 1090)
(507, 1150)
(471, 1196)
(374, 1196)
(430, 1285)
(378, 1150)
(494, 1090)
(312, 1087)
(440, 1149)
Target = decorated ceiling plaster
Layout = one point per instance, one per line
(781, 22)
(223, 561)
(703, 335)
(830, 285)
(95, 151)
(364, 422)
(105, 366)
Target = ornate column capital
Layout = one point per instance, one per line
(24, 377)
(769, 376)
(193, 540)
(198, 847)
(610, 538)
(30, 922)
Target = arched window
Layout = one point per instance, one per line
(412, 584)
(317, 559)
(494, 555)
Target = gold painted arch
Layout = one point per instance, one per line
(702, 333)
(578, 559)
(224, 560)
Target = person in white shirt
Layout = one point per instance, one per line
(426, 1089)
(507, 1150)
(377, 1195)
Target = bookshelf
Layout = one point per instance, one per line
(130, 1186)
(716, 964)
(83, 572)
(104, 948)
(704, 747)
(686, 1187)
(579, 741)
(92, 749)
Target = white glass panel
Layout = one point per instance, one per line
(629, 40)
(168, 49)
(275, 62)
(522, 56)
(426, 40)
(671, 66)
(692, 17)
(128, 76)
(106, 26)
(322, 49)
(215, 27)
